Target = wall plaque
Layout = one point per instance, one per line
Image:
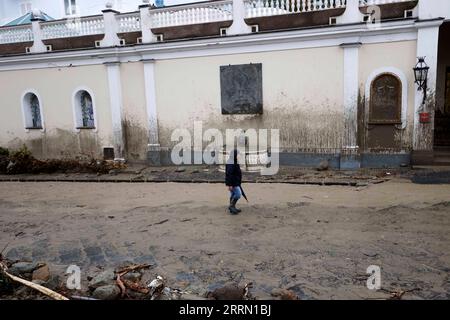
(241, 89)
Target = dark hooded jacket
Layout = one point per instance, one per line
(233, 174)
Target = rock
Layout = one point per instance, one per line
(113, 172)
(104, 278)
(284, 294)
(195, 171)
(21, 268)
(41, 274)
(180, 170)
(190, 296)
(109, 292)
(54, 283)
(323, 165)
(137, 295)
(228, 292)
(39, 282)
(132, 276)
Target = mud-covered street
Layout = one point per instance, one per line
(315, 240)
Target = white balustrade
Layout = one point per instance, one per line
(73, 27)
(378, 2)
(264, 8)
(192, 14)
(129, 22)
(16, 34)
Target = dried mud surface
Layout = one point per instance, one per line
(315, 240)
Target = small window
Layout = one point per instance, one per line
(84, 110)
(32, 111)
(70, 7)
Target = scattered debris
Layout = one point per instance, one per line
(284, 294)
(161, 222)
(123, 284)
(398, 294)
(323, 166)
(83, 298)
(52, 294)
(156, 287)
(231, 292)
(22, 161)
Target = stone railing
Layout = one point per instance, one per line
(16, 34)
(129, 22)
(202, 12)
(73, 27)
(148, 18)
(378, 2)
(263, 8)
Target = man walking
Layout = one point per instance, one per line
(233, 180)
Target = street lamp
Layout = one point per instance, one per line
(421, 75)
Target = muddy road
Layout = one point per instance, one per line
(317, 241)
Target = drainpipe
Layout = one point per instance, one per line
(239, 26)
(111, 27)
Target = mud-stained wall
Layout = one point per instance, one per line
(135, 123)
(302, 96)
(443, 64)
(399, 55)
(55, 88)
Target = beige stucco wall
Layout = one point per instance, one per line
(399, 55)
(135, 119)
(55, 87)
(302, 95)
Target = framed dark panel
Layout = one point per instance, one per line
(241, 89)
(385, 100)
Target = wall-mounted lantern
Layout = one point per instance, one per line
(421, 76)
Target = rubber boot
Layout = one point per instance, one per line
(232, 208)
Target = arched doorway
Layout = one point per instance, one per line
(385, 113)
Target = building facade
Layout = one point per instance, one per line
(335, 77)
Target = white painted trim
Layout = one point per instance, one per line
(239, 26)
(150, 97)
(75, 106)
(404, 81)
(351, 92)
(41, 111)
(427, 46)
(255, 42)
(116, 101)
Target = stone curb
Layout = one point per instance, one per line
(196, 181)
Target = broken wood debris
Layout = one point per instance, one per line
(49, 293)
